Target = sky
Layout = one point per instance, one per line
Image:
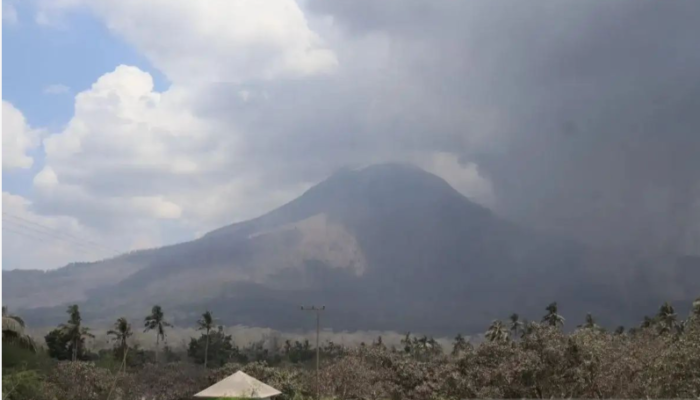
(130, 124)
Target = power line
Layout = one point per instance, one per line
(53, 236)
(25, 234)
(68, 235)
(43, 235)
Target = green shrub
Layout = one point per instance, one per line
(22, 385)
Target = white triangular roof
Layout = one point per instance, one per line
(239, 385)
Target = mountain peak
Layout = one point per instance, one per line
(390, 185)
(402, 178)
(390, 167)
(383, 171)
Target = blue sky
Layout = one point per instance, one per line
(36, 56)
(71, 54)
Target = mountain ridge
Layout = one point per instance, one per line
(387, 247)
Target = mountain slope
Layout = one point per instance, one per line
(386, 247)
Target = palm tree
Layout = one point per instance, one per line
(433, 346)
(497, 332)
(13, 331)
(74, 330)
(647, 322)
(460, 345)
(667, 318)
(406, 342)
(206, 323)
(423, 342)
(552, 318)
(515, 324)
(156, 321)
(695, 312)
(590, 323)
(121, 332)
(528, 328)
(680, 328)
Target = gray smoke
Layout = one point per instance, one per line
(584, 115)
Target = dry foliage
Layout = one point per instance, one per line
(545, 363)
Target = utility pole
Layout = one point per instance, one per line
(317, 310)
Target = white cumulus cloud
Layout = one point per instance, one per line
(124, 150)
(18, 138)
(214, 40)
(131, 155)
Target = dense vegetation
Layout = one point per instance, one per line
(519, 359)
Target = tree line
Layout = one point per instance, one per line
(212, 347)
(659, 358)
(67, 341)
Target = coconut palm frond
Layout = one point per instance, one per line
(497, 332)
(24, 341)
(13, 331)
(85, 331)
(207, 322)
(10, 324)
